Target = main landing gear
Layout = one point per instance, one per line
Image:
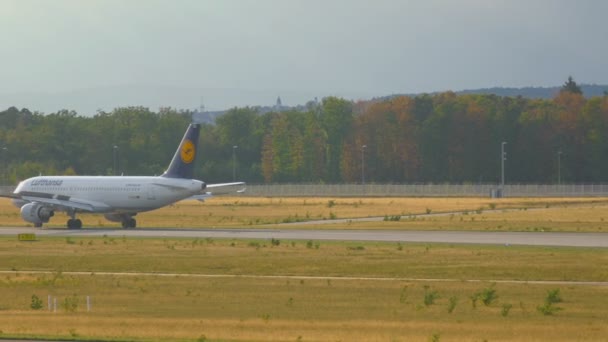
(129, 223)
(74, 224)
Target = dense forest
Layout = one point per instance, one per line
(428, 138)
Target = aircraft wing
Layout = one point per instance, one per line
(219, 185)
(220, 189)
(60, 202)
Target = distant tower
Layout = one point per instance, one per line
(199, 116)
(279, 104)
(202, 107)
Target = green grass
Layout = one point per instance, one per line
(261, 257)
(306, 293)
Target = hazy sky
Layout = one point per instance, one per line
(353, 48)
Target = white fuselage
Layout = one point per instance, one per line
(112, 194)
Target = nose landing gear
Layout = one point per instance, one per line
(129, 223)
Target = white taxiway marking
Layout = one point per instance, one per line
(297, 277)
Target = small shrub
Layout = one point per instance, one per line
(452, 304)
(288, 219)
(356, 248)
(553, 296)
(505, 309)
(309, 244)
(332, 216)
(275, 242)
(435, 337)
(474, 299)
(392, 218)
(202, 338)
(430, 297)
(428, 211)
(488, 295)
(70, 304)
(548, 309)
(331, 203)
(36, 303)
(403, 295)
(492, 206)
(69, 241)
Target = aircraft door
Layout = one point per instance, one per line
(151, 192)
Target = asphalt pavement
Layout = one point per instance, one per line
(456, 237)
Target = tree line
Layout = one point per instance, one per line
(427, 138)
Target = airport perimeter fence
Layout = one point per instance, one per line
(415, 190)
(426, 190)
(6, 189)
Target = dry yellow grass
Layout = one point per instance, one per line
(558, 214)
(182, 309)
(565, 218)
(279, 302)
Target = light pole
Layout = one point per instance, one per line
(234, 162)
(5, 161)
(115, 155)
(363, 164)
(559, 167)
(503, 158)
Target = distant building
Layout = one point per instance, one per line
(279, 106)
(201, 115)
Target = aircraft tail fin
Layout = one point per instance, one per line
(182, 164)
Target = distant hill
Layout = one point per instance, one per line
(589, 90)
(88, 102)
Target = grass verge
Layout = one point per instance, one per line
(532, 214)
(290, 306)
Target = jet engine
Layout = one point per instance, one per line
(36, 213)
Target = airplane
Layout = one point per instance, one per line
(118, 198)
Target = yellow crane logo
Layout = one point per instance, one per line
(187, 152)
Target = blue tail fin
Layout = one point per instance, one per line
(182, 164)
